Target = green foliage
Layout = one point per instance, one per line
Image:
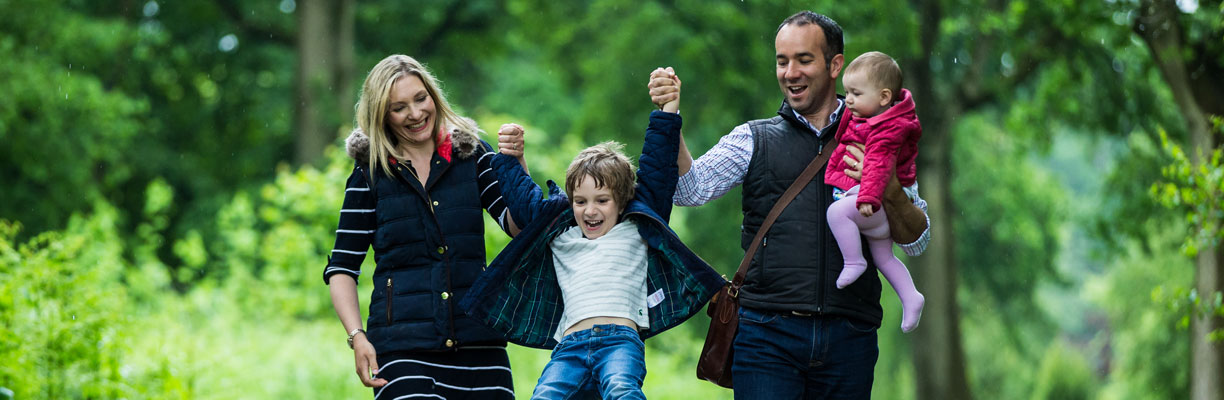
(62, 308)
(1064, 374)
(1130, 212)
(1146, 355)
(1187, 303)
(1006, 259)
(1196, 188)
(65, 130)
(92, 324)
(989, 331)
(272, 241)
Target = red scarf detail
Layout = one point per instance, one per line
(442, 145)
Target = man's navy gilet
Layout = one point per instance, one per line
(797, 266)
(429, 249)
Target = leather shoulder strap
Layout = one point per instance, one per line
(801, 182)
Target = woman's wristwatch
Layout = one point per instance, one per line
(354, 333)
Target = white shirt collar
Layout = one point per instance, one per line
(832, 116)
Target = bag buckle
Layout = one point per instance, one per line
(732, 291)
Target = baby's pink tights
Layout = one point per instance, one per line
(846, 224)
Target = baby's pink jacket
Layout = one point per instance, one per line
(891, 139)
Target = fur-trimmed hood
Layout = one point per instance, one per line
(464, 143)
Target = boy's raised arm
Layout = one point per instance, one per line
(658, 170)
(522, 196)
(664, 88)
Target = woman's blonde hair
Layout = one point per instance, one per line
(373, 107)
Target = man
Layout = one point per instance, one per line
(799, 336)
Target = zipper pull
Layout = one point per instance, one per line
(389, 299)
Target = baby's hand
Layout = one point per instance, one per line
(865, 209)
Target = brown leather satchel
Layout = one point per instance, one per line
(714, 365)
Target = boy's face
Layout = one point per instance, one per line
(864, 98)
(595, 209)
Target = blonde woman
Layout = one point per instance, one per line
(415, 195)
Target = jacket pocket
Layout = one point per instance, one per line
(757, 273)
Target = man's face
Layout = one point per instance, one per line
(805, 80)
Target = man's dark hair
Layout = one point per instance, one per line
(832, 32)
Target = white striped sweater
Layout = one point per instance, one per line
(604, 277)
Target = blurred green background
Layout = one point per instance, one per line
(172, 174)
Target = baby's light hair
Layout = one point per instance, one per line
(881, 70)
(609, 166)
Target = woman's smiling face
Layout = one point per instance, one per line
(410, 111)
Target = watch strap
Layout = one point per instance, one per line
(352, 334)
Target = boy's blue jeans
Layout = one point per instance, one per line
(611, 357)
(787, 356)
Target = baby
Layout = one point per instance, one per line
(884, 120)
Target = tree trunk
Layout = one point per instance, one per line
(939, 359)
(346, 97)
(1207, 377)
(315, 74)
(1160, 28)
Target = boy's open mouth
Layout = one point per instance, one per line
(592, 225)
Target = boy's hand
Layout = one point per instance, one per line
(664, 88)
(865, 210)
(510, 140)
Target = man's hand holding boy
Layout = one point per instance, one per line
(664, 88)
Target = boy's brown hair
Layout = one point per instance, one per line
(609, 166)
(881, 70)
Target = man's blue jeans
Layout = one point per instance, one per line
(786, 356)
(612, 357)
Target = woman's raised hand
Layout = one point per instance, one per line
(510, 140)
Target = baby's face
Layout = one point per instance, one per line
(595, 208)
(864, 98)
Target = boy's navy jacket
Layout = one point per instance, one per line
(518, 295)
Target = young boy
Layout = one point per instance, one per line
(885, 121)
(595, 270)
